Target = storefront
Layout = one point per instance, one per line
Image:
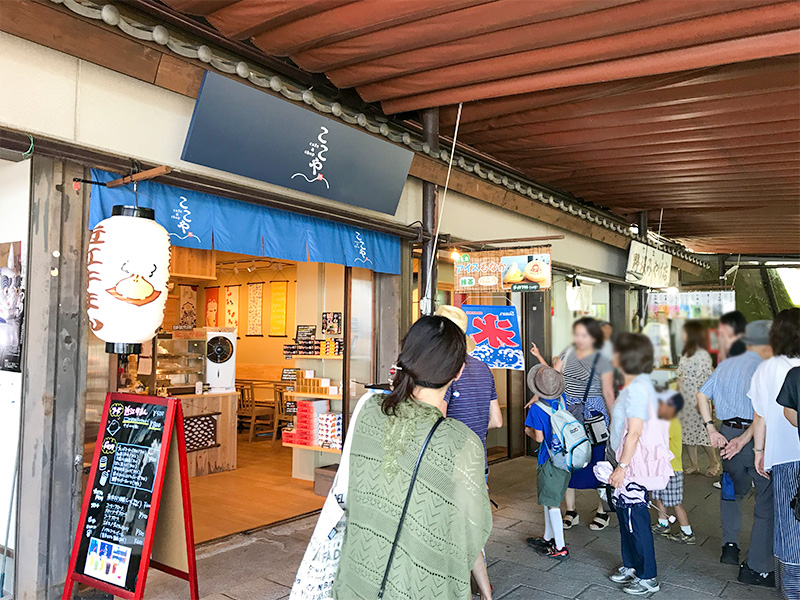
(266, 311)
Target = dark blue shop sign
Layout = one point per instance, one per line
(242, 130)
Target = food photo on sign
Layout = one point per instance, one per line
(495, 330)
(510, 269)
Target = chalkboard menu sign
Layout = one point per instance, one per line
(116, 532)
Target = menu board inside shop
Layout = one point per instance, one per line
(510, 269)
(118, 515)
(306, 332)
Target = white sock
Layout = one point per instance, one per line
(687, 529)
(663, 522)
(558, 527)
(548, 527)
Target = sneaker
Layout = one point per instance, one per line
(554, 552)
(717, 485)
(539, 543)
(641, 587)
(730, 554)
(682, 538)
(751, 577)
(623, 575)
(659, 529)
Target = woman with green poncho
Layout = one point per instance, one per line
(448, 518)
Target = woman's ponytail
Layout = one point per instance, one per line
(402, 386)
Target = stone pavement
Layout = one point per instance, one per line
(261, 565)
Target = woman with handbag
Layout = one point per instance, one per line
(589, 394)
(417, 509)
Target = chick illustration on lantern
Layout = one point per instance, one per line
(128, 264)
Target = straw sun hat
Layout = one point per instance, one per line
(459, 317)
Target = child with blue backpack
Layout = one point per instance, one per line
(559, 447)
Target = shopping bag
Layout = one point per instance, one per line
(314, 579)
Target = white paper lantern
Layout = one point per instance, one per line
(128, 273)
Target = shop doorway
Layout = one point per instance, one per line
(299, 331)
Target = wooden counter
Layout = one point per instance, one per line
(222, 457)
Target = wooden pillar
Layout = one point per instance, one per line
(642, 222)
(429, 263)
(54, 381)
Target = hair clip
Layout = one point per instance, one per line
(393, 371)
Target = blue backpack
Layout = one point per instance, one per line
(572, 450)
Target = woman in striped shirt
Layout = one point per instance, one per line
(589, 392)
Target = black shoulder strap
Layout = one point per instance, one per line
(591, 377)
(405, 507)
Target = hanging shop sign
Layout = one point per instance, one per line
(691, 305)
(128, 264)
(495, 330)
(648, 266)
(514, 270)
(233, 226)
(138, 476)
(242, 130)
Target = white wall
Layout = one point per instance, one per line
(14, 208)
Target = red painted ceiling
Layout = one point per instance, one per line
(688, 106)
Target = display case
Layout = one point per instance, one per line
(180, 364)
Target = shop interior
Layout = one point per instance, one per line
(251, 462)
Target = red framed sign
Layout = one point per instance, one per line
(136, 510)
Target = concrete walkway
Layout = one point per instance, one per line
(262, 565)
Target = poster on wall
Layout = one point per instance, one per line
(212, 306)
(495, 330)
(232, 306)
(648, 266)
(331, 323)
(12, 298)
(188, 307)
(255, 302)
(515, 270)
(278, 296)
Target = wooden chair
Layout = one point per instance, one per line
(252, 416)
(281, 418)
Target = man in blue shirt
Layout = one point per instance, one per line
(727, 388)
(473, 398)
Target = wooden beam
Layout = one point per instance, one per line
(141, 176)
(428, 169)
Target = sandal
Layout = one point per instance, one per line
(714, 472)
(600, 521)
(691, 471)
(571, 518)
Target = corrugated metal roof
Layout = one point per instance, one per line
(686, 106)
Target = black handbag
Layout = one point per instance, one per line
(405, 507)
(596, 428)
